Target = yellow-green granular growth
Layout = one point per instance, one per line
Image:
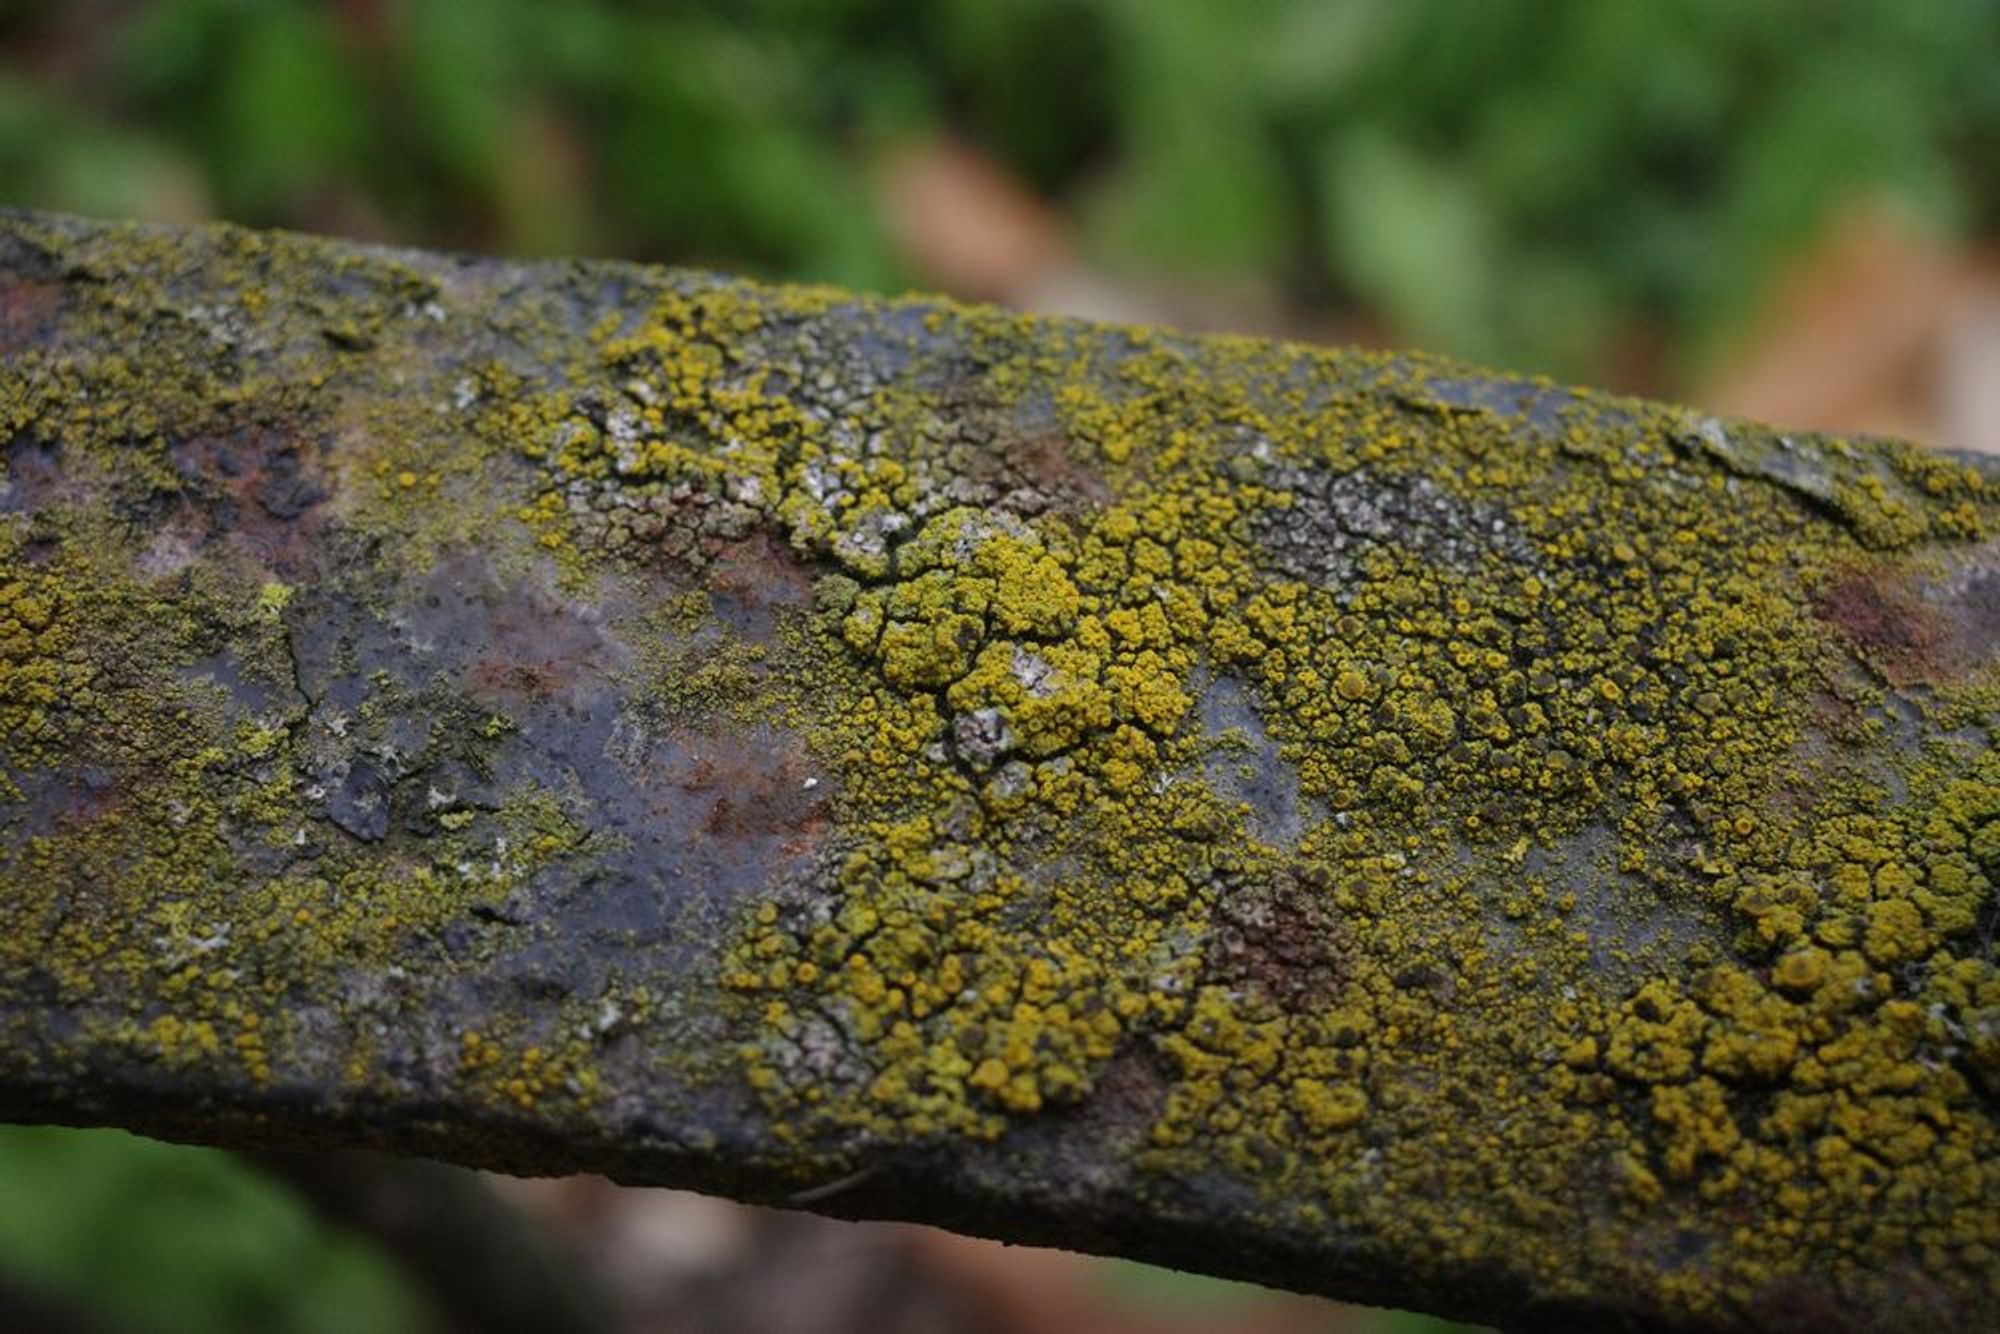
(1551, 835)
(1579, 851)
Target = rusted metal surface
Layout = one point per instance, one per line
(1349, 822)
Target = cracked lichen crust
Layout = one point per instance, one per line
(1336, 818)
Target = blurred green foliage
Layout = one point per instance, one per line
(1521, 181)
(160, 1239)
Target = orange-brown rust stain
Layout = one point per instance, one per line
(1280, 939)
(1916, 629)
(1048, 464)
(490, 678)
(760, 787)
(538, 658)
(260, 489)
(531, 645)
(28, 310)
(757, 790)
(755, 579)
(31, 479)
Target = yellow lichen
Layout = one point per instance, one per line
(1430, 806)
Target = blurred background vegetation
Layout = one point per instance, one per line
(107, 1230)
(1784, 208)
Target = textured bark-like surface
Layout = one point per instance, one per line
(1348, 821)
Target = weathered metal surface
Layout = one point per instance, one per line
(1347, 821)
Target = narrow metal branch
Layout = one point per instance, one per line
(1348, 821)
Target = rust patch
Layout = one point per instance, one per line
(28, 309)
(1281, 938)
(93, 795)
(32, 475)
(1050, 474)
(1914, 628)
(530, 645)
(749, 805)
(749, 791)
(1881, 622)
(751, 581)
(554, 664)
(257, 488)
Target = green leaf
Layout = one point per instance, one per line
(1413, 238)
(162, 1238)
